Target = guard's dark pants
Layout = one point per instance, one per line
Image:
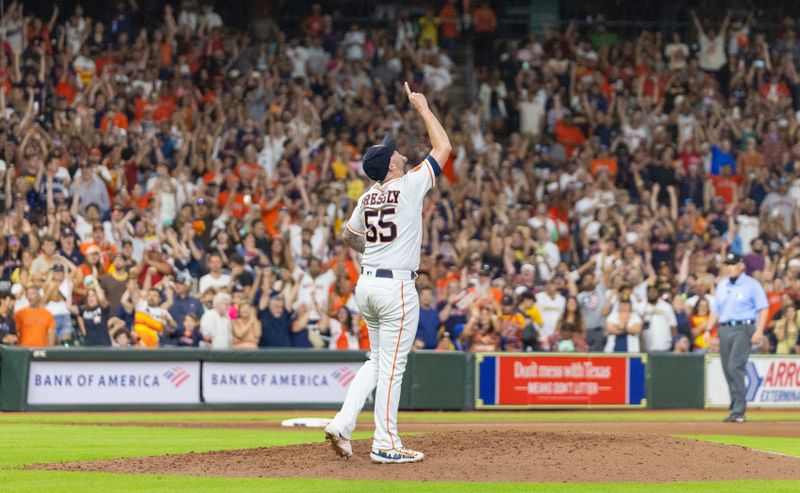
(734, 349)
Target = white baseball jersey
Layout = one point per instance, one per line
(389, 216)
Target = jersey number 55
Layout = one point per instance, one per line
(383, 230)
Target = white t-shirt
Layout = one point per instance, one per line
(585, 208)
(218, 327)
(658, 337)
(532, 113)
(546, 223)
(635, 137)
(212, 20)
(677, 53)
(748, 230)
(354, 43)
(633, 340)
(712, 53)
(319, 287)
(12, 32)
(208, 281)
(551, 310)
(438, 78)
(298, 56)
(318, 241)
(270, 154)
(551, 254)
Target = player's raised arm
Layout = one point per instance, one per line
(439, 140)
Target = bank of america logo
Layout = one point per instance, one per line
(177, 376)
(344, 376)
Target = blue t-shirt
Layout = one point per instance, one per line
(428, 327)
(275, 331)
(720, 158)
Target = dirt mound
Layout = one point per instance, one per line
(483, 456)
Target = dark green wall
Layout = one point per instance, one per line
(675, 381)
(433, 380)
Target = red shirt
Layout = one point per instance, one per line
(314, 24)
(449, 16)
(484, 20)
(726, 187)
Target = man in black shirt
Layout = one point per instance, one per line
(8, 329)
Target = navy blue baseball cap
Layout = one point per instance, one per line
(377, 157)
(732, 258)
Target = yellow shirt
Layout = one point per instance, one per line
(534, 314)
(339, 169)
(428, 29)
(354, 189)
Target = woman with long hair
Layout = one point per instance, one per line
(343, 332)
(93, 317)
(280, 255)
(570, 334)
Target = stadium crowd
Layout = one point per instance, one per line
(186, 183)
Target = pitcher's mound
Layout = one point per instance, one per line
(484, 456)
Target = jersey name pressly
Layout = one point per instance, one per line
(389, 216)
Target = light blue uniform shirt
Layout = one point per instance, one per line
(738, 301)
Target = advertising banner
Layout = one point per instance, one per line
(108, 382)
(267, 382)
(559, 380)
(772, 381)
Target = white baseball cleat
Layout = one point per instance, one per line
(396, 456)
(340, 444)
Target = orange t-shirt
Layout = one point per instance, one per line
(442, 283)
(609, 163)
(246, 171)
(569, 136)
(119, 120)
(238, 208)
(270, 219)
(349, 267)
(164, 110)
(774, 304)
(33, 324)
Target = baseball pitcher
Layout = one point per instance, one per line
(386, 226)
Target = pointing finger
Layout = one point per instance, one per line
(408, 90)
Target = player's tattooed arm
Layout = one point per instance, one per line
(354, 241)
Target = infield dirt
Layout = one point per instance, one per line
(488, 455)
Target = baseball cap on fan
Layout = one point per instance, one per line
(377, 157)
(732, 258)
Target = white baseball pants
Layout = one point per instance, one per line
(391, 310)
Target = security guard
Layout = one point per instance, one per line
(740, 307)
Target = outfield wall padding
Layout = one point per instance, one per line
(204, 379)
(675, 381)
